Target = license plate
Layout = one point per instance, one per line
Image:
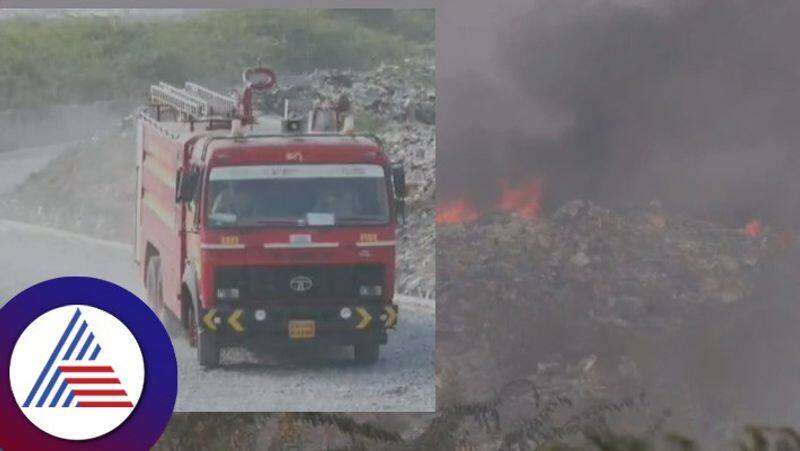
(300, 329)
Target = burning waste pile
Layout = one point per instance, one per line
(561, 306)
(630, 266)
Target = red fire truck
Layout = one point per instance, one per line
(265, 231)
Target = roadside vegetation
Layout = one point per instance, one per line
(85, 59)
(459, 428)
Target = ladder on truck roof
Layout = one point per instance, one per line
(194, 101)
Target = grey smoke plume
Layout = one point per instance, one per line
(694, 103)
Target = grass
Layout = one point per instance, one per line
(368, 122)
(84, 59)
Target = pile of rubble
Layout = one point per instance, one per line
(631, 266)
(416, 254)
(415, 145)
(392, 92)
(584, 299)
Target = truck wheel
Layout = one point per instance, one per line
(367, 354)
(207, 346)
(207, 349)
(155, 297)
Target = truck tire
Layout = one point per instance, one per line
(207, 346)
(155, 297)
(367, 354)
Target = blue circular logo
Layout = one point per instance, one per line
(90, 366)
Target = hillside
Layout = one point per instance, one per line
(78, 59)
(90, 188)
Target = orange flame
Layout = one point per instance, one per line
(455, 212)
(754, 228)
(524, 199)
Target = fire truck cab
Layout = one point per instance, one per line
(264, 232)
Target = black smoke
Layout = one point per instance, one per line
(692, 103)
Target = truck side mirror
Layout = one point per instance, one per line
(399, 184)
(185, 185)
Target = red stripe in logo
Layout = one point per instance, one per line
(86, 369)
(99, 392)
(105, 404)
(92, 380)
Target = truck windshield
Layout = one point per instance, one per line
(297, 195)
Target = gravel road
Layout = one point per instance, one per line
(403, 380)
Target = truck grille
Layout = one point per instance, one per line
(276, 285)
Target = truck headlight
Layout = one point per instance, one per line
(370, 290)
(227, 293)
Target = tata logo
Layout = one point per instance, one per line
(300, 284)
(77, 372)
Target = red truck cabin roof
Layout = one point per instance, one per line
(218, 151)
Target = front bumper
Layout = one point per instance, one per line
(236, 326)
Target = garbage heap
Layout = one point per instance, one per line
(572, 307)
(396, 92)
(625, 266)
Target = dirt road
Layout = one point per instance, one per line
(403, 379)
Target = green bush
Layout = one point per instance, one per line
(83, 59)
(414, 24)
(367, 122)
